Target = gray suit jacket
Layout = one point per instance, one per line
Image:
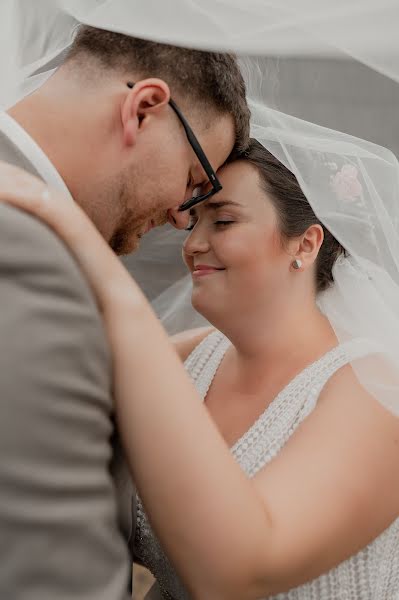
(60, 523)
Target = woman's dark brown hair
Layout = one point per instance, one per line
(294, 212)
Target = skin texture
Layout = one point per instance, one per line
(313, 506)
(122, 152)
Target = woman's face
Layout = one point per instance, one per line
(234, 250)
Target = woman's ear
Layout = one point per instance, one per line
(309, 245)
(146, 97)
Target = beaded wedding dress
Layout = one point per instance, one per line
(371, 574)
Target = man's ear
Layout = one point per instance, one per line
(144, 98)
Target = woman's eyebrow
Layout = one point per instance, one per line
(220, 204)
(214, 205)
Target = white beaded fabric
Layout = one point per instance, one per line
(372, 573)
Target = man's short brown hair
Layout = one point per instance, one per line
(211, 79)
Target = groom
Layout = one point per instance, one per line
(103, 130)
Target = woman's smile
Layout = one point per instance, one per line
(202, 270)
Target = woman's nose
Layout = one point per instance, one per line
(195, 243)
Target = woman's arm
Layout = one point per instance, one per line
(229, 536)
(334, 487)
(315, 505)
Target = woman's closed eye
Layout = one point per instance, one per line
(219, 223)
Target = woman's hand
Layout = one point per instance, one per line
(110, 281)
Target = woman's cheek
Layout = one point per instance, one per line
(235, 249)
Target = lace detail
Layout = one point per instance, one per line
(269, 433)
(148, 548)
(371, 574)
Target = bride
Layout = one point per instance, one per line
(284, 481)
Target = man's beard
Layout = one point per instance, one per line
(120, 245)
(133, 220)
(126, 237)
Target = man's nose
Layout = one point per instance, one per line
(178, 219)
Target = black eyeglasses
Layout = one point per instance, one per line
(206, 165)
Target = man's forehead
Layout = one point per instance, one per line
(219, 138)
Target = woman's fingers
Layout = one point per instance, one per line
(104, 271)
(25, 191)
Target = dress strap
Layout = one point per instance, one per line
(205, 359)
(333, 361)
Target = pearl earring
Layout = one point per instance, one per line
(297, 264)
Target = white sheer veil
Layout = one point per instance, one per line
(352, 185)
(353, 188)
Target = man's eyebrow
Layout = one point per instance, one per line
(214, 204)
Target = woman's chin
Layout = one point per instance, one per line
(199, 302)
(204, 304)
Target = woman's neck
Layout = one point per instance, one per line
(278, 341)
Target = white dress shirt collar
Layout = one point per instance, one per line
(32, 151)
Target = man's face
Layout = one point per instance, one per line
(165, 172)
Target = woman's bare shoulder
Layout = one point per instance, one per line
(186, 341)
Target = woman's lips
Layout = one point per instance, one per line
(201, 270)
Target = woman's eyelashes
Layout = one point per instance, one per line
(223, 223)
(218, 223)
(190, 227)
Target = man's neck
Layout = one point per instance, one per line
(63, 134)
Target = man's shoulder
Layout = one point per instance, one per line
(23, 238)
(28, 242)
